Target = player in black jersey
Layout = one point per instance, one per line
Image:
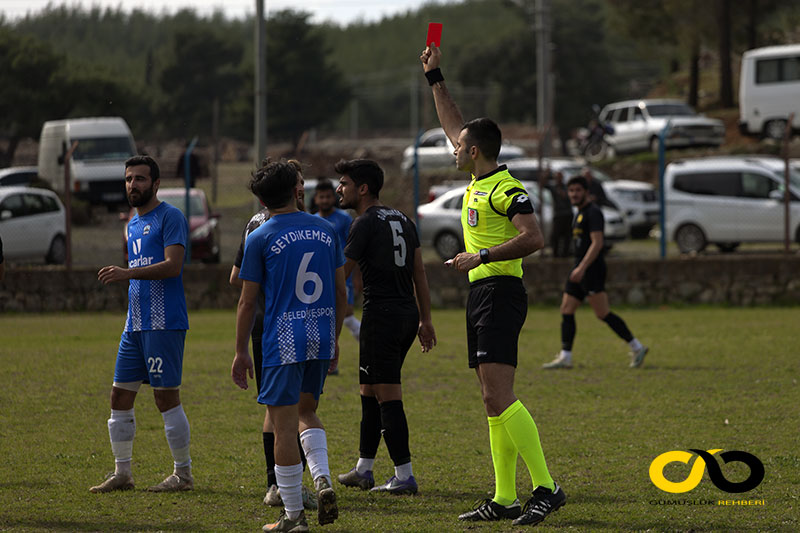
(384, 243)
(587, 278)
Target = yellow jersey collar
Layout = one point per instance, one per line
(501, 168)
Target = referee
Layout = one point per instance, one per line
(499, 230)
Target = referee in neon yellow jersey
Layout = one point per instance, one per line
(500, 229)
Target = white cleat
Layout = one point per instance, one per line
(559, 362)
(113, 482)
(638, 357)
(174, 483)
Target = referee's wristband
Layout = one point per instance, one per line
(484, 253)
(434, 76)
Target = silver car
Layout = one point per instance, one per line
(436, 151)
(32, 225)
(639, 203)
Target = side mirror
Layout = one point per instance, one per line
(776, 194)
(6, 214)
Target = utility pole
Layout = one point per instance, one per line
(544, 83)
(260, 134)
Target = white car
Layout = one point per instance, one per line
(32, 225)
(727, 201)
(639, 203)
(638, 123)
(436, 151)
(19, 176)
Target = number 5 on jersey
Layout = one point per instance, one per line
(399, 242)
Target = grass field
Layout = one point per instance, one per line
(715, 378)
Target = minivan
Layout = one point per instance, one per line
(729, 200)
(769, 90)
(97, 167)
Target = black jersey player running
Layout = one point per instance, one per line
(384, 243)
(587, 278)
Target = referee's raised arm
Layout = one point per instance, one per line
(449, 115)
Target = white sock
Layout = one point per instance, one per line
(635, 345)
(121, 429)
(403, 472)
(566, 355)
(353, 324)
(315, 445)
(364, 465)
(290, 480)
(176, 427)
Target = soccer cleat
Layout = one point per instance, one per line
(488, 510)
(395, 486)
(327, 511)
(173, 483)
(286, 524)
(353, 478)
(309, 499)
(543, 502)
(273, 496)
(559, 362)
(638, 357)
(113, 482)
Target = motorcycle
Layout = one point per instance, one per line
(592, 141)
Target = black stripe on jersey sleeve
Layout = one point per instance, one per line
(519, 207)
(515, 190)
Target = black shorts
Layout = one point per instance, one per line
(496, 311)
(387, 333)
(593, 282)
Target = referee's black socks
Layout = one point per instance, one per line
(395, 431)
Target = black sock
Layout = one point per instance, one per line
(302, 452)
(370, 427)
(395, 431)
(619, 327)
(269, 455)
(568, 329)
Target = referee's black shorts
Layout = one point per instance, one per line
(496, 310)
(387, 333)
(593, 282)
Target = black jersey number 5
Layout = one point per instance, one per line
(399, 241)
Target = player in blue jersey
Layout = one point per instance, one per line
(296, 260)
(151, 347)
(325, 199)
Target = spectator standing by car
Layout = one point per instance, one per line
(561, 231)
(597, 194)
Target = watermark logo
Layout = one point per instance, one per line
(706, 459)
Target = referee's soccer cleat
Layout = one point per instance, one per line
(395, 486)
(287, 525)
(174, 483)
(543, 502)
(353, 478)
(488, 511)
(638, 357)
(559, 362)
(327, 510)
(113, 482)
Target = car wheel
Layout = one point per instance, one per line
(447, 245)
(774, 129)
(727, 247)
(57, 254)
(596, 151)
(690, 238)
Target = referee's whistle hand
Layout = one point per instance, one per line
(464, 262)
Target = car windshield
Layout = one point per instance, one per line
(794, 178)
(179, 201)
(670, 110)
(105, 148)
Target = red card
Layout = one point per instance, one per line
(434, 34)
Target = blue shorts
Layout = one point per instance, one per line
(154, 357)
(282, 385)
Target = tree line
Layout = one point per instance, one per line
(166, 73)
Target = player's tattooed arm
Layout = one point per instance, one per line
(426, 332)
(341, 309)
(242, 366)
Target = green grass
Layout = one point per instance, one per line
(715, 378)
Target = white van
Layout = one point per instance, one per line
(769, 90)
(729, 200)
(97, 167)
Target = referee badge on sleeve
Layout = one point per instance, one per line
(472, 217)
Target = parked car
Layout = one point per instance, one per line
(637, 125)
(203, 223)
(436, 151)
(32, 225)
(638, 201)
(769, 85)
(727, 201)
(19, 176)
